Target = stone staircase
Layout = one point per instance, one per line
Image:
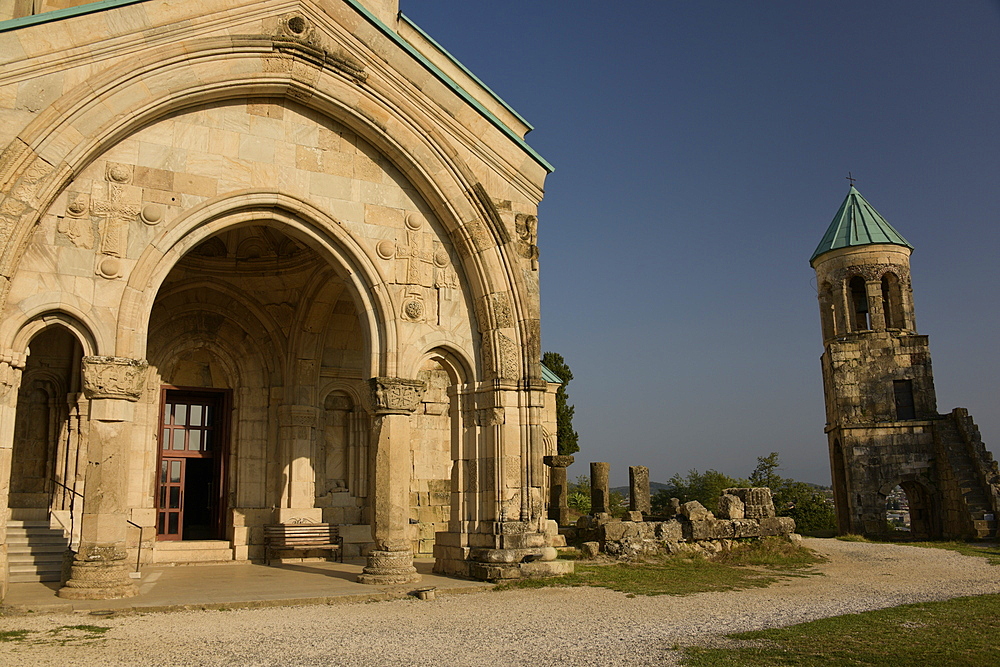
(967, 479)
(35, 550)
(193, 551)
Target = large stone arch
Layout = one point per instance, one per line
(298, 218)
(69, 134)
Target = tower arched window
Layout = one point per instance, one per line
(892, 305)
(858, 294)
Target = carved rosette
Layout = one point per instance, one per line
(396, 395)
(113, 377)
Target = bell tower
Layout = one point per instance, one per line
(883, 427)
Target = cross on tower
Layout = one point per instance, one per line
(851, 178)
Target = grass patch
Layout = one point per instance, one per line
(953, 632)
(738, 569)
(13, 635)
(851, 537)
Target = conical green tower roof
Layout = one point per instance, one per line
(857, 223)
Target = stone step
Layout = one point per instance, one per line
(192, 551)
(35, 550)
(558, 541)
(23, 574)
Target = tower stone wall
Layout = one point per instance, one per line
(883, 425)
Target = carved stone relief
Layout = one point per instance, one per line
(396, 395)
(526, 227)
(119, 207)
(113, 377)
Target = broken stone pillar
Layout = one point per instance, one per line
(638, 480)
(391, 562)
(558, 488)
(599, 491)
(11, 365)
(99, 570)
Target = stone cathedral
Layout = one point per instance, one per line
(883, 426)
(264, 262)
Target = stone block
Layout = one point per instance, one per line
(730, 507)
(669, 531)
(746, 528)
(695, 511)
(712, 529)
(590, 549)
(633, 515)
(356, 534)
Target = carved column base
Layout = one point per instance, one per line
(98, 580)
(386, 568)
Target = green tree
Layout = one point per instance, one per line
(704, 487)
(566, 437)
(812, 511)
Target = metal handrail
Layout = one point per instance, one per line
(138, 550)
(72, 508)
(72, 520)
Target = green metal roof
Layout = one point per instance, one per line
(857, 223)
(549, 376)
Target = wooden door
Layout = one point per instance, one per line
(190, 494)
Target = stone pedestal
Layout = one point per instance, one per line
(99, 573)
(599, 490)
(386, 568)
(391, 562)
(558, 488)
(638, 480)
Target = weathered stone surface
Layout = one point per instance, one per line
(729, 507)
(639, 499)
(590, 549)
(695, 511)
(599, 490)
(757, 502)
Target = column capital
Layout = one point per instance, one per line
(560, 461)
(396, 396)
(11, 365)
(114, 377)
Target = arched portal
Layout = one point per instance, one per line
(924, 524)
(45, 465)
(243, 329)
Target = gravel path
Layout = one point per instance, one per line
(576, 626)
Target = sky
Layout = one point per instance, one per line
(701, 150)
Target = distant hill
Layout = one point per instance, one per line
(658, 486)
(653, 488)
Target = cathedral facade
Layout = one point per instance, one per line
(264, 262)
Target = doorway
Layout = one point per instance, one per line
(190, 497)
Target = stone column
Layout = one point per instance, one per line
(99, 570)
(638, 480)
(11, 365)
(558, 488)
(599, 488)
(298, 498)
(394, 400)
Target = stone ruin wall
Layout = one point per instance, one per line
(742, 514)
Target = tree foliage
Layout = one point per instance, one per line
(566, 437)
(803, 502)
(798, 500)
(705, 487)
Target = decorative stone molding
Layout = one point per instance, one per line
(113, 377)
(396, 395)
(11, 365)
(490, 417)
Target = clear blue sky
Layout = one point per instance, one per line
(701, 150)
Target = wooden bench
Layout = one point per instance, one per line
(302, 537)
